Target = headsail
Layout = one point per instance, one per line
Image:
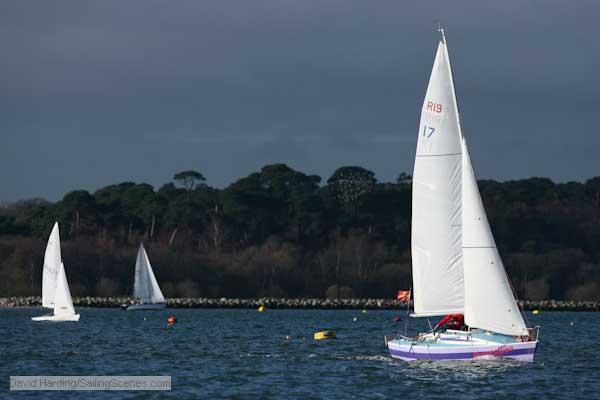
(52, 261)
(489, 300)
(146, 287)
(436, 202)
(63, 304)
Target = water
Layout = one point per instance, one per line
(243, 354)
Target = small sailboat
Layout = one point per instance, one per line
(456, 266)
(146, 291)
(55, 288)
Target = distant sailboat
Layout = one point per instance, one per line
(145, 289)
(456, 266)
(55, 288)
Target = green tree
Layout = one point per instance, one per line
(189, 179)
(78, 211)
(351, 183)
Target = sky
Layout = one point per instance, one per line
(94, 93)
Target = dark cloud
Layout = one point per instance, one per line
(98, 92)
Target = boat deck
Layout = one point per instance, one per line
(452, 338)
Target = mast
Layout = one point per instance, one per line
(443, 32)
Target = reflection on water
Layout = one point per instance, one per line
(459, 370)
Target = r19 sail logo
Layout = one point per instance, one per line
(435, 107)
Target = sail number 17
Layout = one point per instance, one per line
(428, 131)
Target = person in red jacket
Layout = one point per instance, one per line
(451, 321)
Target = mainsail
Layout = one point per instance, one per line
(436, 199)
(146, 287)
(52, 262)
(63, 304)
(489, 300)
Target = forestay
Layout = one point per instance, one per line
(436, 206)
(63, 304)
(52, 261)
(489, 300)
(146, 287)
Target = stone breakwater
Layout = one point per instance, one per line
(349, 304)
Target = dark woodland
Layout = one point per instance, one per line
(282, 233)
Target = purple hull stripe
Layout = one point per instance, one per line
(460, 356)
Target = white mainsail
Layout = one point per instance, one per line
(63, 304)
(489, 300)
(146, 287)
(436, 199)
(52, 262)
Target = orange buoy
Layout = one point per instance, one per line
(171, 320)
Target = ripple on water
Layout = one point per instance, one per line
(242, 354)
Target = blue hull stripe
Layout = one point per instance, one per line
(460, 356)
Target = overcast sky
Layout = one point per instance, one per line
(100, 92)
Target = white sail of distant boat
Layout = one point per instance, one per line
(52, 261)
(55, 288)
(456, 266)
(145, 288)
(63, 303)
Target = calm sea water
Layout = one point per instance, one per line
(243, 354)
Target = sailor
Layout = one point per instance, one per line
(451, 321)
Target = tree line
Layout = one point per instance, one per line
(280, 232)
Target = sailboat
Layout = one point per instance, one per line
(455, 263)
(145, 288)
(55, 288)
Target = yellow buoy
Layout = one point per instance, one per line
(325, 335)
(535, 312)
(261, 308)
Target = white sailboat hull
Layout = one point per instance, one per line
(57, 318)
(455, 346)
(146, 306)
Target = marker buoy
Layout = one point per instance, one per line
(354, 319)
(364, 311)
(325, 335)
(535, 312)
(288, 337)
(262, 308)
(397, 319)
(171, 320)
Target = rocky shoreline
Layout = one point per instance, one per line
(349, 304)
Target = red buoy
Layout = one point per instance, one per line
(171, 320)
(397, 319)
